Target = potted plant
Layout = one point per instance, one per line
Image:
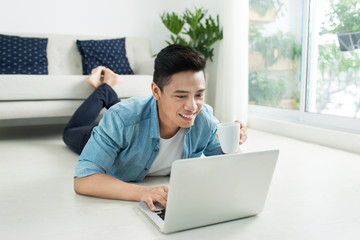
(194, 29)
(278, 51)
(264, 10)
(337, 73)
(343, 21)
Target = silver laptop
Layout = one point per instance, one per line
(209, 190)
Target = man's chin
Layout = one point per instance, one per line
(186, 124)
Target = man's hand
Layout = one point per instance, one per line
(150, 195)
(243, 132)
(243, 135)
(105, 186)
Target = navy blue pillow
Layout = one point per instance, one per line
(23, 55)
(110, 53)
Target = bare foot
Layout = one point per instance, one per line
(95, 77)
(111, 78)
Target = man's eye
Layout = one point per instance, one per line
(200, 95)
(181, 96)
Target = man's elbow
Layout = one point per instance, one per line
(78, 187)
(85, 185)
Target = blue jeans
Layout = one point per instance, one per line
(78, 130)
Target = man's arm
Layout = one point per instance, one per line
(105, 186)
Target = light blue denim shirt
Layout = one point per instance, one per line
(126, 142)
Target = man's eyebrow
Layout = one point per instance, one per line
(183, 91)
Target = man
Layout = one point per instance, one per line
(142, 136)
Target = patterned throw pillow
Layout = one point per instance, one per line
(23, 55)
(110, 53)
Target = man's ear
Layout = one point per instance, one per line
(155, 91)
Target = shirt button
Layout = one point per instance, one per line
(145, 169)
(155, 150)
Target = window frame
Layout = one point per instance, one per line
(301, 116)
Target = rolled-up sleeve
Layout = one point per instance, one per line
(103, 146)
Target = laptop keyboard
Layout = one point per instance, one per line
(161, 213)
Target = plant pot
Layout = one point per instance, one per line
(269, 16)
(349, 41)
(288, 103)
(283, 64)
(256, 62)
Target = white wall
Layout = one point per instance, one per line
(135, 18)
(94, 17)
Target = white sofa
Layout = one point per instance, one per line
(53, 98)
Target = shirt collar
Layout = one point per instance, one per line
(154, 120)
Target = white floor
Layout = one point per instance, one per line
(315, 194)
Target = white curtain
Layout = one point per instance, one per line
(231, 94)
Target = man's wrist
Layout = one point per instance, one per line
(139, 192)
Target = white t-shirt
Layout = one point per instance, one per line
(170, 150)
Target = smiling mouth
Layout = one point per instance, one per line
(188, 116)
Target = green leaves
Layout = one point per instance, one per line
(344, 17)
(332, 60)
(274, 46)
(172, 22)
(194, 29)
(194, 19)
(262, 6)
(264, 90)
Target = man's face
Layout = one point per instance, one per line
(180, 101)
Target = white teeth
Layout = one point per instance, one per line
(186, 116)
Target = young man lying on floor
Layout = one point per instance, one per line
(143, 136)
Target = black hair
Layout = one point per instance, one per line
(174, 59)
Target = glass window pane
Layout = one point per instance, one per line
(274, 52)
(334, 58)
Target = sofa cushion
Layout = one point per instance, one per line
(110, 53)
(23, 55)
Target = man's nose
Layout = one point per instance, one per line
(191, 105)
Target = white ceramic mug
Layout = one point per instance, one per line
(229, 136)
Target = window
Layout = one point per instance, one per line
(274, 53)
(334, 72)
(304, 61)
